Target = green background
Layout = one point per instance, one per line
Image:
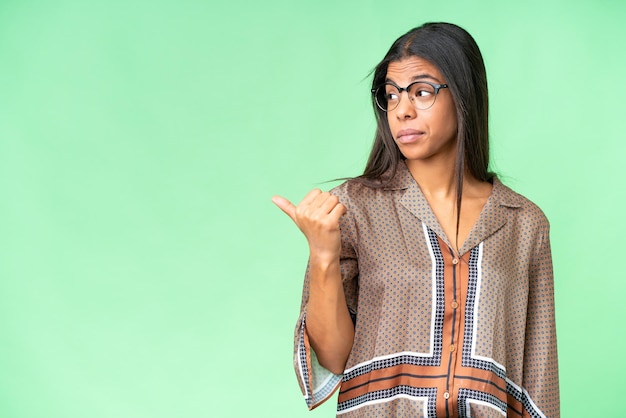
(144, 271)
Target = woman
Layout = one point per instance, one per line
(429, 289)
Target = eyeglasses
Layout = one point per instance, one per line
(421, 93)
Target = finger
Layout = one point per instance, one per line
(286, 206)
(311, 196)
(338, 211)
(327, 202)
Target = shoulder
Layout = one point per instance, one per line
(350, 188)
(523, 209)
(355, 193)
(365, 192)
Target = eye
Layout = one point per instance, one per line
(421, 91)
(391, 94)
(424, 90)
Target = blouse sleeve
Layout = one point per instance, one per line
(541, 374)
(316, 382)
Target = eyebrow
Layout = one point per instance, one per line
(418, 77)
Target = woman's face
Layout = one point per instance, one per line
(422, 134)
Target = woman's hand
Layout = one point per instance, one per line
(317, 216)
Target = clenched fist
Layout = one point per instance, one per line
(317, 216)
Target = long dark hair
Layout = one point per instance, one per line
(457, 56)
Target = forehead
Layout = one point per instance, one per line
(411, 69)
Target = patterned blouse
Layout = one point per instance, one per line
(439, 334)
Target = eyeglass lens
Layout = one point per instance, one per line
(422, 95)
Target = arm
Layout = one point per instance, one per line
(541, 374)
(328, 322)
(329, 326)
(325, 331)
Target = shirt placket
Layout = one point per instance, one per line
(453, 279)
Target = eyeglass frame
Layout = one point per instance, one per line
(436, 86)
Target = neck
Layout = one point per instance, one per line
(435, 178)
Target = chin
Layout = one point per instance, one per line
(410, 155)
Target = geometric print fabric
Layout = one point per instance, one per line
(431, 336)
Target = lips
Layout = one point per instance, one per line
(407, 136)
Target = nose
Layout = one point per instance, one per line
(405, 109)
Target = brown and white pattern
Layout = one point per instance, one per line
(439, 334)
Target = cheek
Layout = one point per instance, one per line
(452, 124)
(390, 125)
(449, 122)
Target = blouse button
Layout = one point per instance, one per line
(454, 304)
(446, 395)
(455, 261)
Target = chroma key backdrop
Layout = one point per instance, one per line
(144, 271)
